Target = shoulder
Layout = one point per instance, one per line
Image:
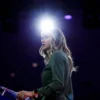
(59, 54)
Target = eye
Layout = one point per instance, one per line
(44, 37)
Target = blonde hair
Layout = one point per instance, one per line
(58, 43)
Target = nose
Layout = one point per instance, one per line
(43, 41)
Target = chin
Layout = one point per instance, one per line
(45, 48)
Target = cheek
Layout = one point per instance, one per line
(48, 43)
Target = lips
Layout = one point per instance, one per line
(43, 44)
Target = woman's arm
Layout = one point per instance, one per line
(57, 63)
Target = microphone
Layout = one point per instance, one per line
(11, 92)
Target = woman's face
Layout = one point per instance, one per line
(46, 41)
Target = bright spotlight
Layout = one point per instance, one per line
(68, 17)
(47, 24)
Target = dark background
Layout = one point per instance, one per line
(20, 43)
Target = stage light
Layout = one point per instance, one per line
(68, 17)
(46, 25)
(12, 75)
(34, 65)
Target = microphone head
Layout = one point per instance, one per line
(1, 87)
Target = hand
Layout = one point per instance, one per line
(24, 94)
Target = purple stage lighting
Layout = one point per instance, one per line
(68, 17)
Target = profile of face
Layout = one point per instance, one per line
(46, 41)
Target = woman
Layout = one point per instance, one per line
(56, 76)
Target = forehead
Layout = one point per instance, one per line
(46, 34)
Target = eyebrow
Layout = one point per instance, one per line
(44, 35)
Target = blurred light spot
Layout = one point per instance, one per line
(68, 17)
(34, 64)
(47, 24)
(12, 75)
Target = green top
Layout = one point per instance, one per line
(56, 78)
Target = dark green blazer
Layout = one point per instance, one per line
(56, 78)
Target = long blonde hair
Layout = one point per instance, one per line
(58, 43)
